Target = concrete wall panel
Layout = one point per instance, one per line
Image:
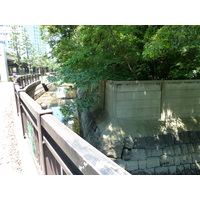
(172, 94)
(181, 102)
(181, 86)
(153, 100)
(139, 113)
(137, 87)
(137, 104)
(129, 96)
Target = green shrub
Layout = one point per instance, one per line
(10, 78)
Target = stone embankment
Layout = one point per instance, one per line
(164, 154)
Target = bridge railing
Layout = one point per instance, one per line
(56, 149)
(21, 82)
(25, 80)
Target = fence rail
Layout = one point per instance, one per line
(25, 80)
(56, 149)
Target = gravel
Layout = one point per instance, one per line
(10, 162)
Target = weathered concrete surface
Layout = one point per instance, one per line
(143, 108)
(153, 107)
(152, 100)
(108, 135)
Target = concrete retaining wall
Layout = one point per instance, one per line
(161, 118)
(144, 100)
(147, 108)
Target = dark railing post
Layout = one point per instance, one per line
(16, 84)
(28, 80)
(31, 78)
(24, 81)
(40, 135)
(21, 112)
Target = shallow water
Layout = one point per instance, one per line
(57, 97)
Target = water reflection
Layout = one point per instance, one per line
(56, 98)
(57, 113)
(61, 92)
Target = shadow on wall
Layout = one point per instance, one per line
(110, 134)
(169, 151)
(150, 113)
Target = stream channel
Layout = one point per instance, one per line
(57, 97)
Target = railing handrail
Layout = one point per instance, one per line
(73, 153)
(24, 80)
(88, 159)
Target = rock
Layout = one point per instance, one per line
(156, 152)
(193, 136)
(180, 168)
(172, 169)
(169, 139)
(150, 142)
(139, 143)
(184, 137)
(131, 165)
(184, 148)
(166, 160)
(138, 154)
(169, 151)
(153, 162)
(126, 155)
(128, 142)
(112, 150)
(161, 170)
(177, 150)
(111, 145)
(142, 164)
(196, 148)
(190, 148)
(177, 160)
(161, 142)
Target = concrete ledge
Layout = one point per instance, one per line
(36, 89)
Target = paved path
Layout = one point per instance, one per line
(15, 157)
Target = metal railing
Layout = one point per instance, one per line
(56, 149)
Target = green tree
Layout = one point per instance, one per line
(27, 49)
(126, 52)
(15, 44)
(174, 52)
(26, 54)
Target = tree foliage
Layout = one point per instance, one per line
(125, 52)
(174, 50)
(24, 52)
(15, 44)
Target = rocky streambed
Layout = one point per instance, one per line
(57, 97)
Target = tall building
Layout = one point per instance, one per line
(5, 31)
(32, 30)
(34, 35)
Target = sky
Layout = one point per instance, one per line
(106, 12)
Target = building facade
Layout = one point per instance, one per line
(32, 30)
(34, 36)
